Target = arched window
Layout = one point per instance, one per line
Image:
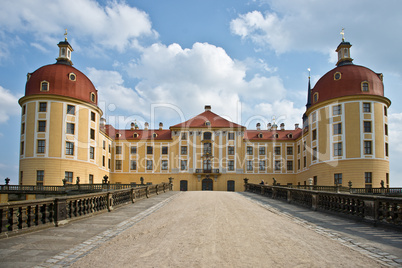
(260, 135)
(44, 86)
(135, 135)
(154, 135)
(93, 97)
(315, 97)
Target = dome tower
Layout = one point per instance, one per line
(60, 135)
(347, 136)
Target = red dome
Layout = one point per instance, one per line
(347, 84)
(62, 83)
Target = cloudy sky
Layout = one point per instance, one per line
(162, 61)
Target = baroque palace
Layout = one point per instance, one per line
(344, 137)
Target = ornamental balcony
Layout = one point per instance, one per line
(214, 171)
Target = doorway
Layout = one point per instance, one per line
(207, 184)
(183, 185)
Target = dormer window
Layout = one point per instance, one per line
(276, 135)
(135, 135)
(315, 97)
(72, 76)
(290, 135)
(365, 86)
(260, 135)
(93, 97)
(207, 123)
(44, 86)
(154, 135)
(118, 135)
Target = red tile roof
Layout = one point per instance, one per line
(59, 83)
(349, 84)
(215, 120)
(164, 134)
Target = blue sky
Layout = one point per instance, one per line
(162, 61)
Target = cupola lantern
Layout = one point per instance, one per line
(65, 50)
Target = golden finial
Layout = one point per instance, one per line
(65, 35)
(343, 34)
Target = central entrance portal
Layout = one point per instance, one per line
(207, 184)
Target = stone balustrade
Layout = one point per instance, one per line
(374, 208)
(22, 216)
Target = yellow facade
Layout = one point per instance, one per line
(343, 138)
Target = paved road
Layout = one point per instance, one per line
(207, 229)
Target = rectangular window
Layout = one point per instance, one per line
(289, 150)
(249, 165)
(149, 149)
(92, 132)
(386, 149)
(22, 128)
(336, 110)
(367, 126)
(91, 179)
(314, 117)
(24, 108)
(289, 165)
(164, 150)
(118, 149)
(184, 150)
(109, 147)
(133, 165)
(262, 165)
(366, 107)
(262, 150)
(104, 145)
(277, 165)
(277, 150)
(118, 165)
(133, 150)
(71, 109)
(68, 175)
(231, 165)
(41, 126)
(338, 178)
(314, 135)
(164, 165)
(149, 164)
(385, 110)
(93, 116)
(108, 163)
(42, 106)
(231, 136)
(298, 149)
(231, 150)
(314, 153)
(103, 160)
(338, 149)
(368, 177)
(70, 128)
(69, 148)
(386, 129)
(183, 165)
(367, 147)
(298, 163)
(304, 162)
(41, 147)
(337, 128)
(304, 145)
(91, 152)
(249, 150)
(40, 175)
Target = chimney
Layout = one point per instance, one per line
(274, 127)
(282, 126)
(207, 107)
(160, 126)
(258, 126)
(296, 126)
(269, 126)
(132, 125)
(146, 125)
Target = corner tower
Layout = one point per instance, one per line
(347, 137)
(60, 134)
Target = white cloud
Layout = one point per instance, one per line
(8, 105)
(188, 79)
(114, 26)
